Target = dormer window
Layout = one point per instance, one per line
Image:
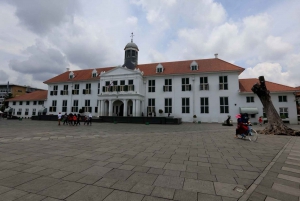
(94, 73)
(71, 75)
(159, 68)
(194, 65)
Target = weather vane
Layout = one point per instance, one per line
(132, 37)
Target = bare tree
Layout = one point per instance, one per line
(275, 124)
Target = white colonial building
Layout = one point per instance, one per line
(208, 88)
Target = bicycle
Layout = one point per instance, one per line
(251, 134)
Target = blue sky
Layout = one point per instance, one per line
(40, 39)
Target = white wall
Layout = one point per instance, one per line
(177, 94)
(24, 107)
(70, 97)
(290, 104)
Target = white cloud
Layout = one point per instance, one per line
(132, 20)
(271, 72)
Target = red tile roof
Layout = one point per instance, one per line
(246, 85)
(183, 67)
(175, 67)
(36, 95)
(79, 75)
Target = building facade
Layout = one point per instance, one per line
(14, 90)
(27, 105)
(207, 88)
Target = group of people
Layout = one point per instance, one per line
(244, 125)
(74, 119)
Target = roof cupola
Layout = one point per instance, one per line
(131, 54)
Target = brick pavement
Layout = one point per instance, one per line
(43, 161)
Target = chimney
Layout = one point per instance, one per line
(216, 55)
(68, 69)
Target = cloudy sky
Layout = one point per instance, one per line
(40, 38)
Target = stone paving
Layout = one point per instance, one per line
(189, 162)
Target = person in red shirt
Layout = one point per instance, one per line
(260, 121)
(241, 129)
(75, 120)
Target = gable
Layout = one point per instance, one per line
(119, 71)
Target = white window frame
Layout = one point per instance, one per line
(204, 83)
(284, 111)
(223, 85)
(224, 105)
(204, 105)
(185, 107)
(168, 105)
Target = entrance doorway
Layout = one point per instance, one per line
(118, 108)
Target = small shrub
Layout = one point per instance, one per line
(160, 111)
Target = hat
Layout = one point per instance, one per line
(238, 116)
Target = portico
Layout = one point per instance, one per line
(120, 107)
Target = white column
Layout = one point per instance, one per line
(138, 108)
(99, 106)
(134, 108)
(125, 108)
(110, 108)
(102, 108)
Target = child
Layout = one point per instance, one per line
(260, 121)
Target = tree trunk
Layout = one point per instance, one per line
(275, 124)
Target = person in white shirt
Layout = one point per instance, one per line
(59, 118)
(90, 118)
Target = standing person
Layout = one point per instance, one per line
(86, 120)
(260, 121)
(75, 120)
(59, 118)
(65, 119)
(90, 118)
(70, 119)
(78, 119)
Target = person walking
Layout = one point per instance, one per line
(65, 119)
(260, 121)
(59, 118)
(75, 120)
(90, 118)
(78, 119)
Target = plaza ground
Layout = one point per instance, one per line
(42, 161)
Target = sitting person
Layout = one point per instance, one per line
(241, 129)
